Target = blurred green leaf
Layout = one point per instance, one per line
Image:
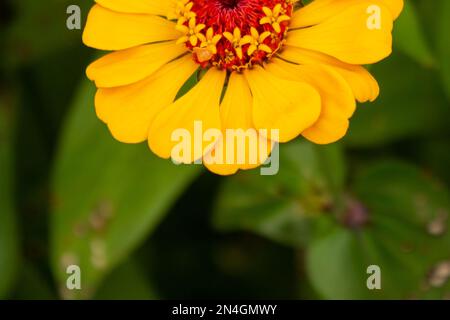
(8, 231)
(126, 282)
(282, 207)
(426, 11)
(410, 38)
(107, 196)
(443, 43)
(40, 29)
(406, 236)
(435, 155)
(411, 104)
(32, 285)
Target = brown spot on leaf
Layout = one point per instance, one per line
(98, 254)
(439, 275)
(101, 215)
(438, 226)
(356, 215)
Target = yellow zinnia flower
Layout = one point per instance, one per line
(263, 65)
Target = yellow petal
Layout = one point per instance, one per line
(277, 10)
(265, 48)
(276, 26)
(283, 18)
(396, 7)
(131, 65)
(156, 7)
(201, 37)
(364, 86)
(320, 10)
(267, 11)
(348, 37)
(111, 30)
(193, 40)
(212, 48)
(237, 33)
(239, 53)
(129, 110)
(245, 40)
(338, 103)
(182, 40)
(192, 22)
(265, 20)
(228, 36)
(216, 38)
(192, 114)
(278, 104)
(209, 33)
(200, 27)
(251, 49)
(182, 28)
(264, 36)
(242, 147)
(254, 33)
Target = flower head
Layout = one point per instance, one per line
(274, 17)
(263, 66)
(256, 41)
(236, 41)
(191, 32)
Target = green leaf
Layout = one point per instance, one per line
(410, 38)
(411, 104)
(426, 11)
(435, 155)
(107, 196)
(283, 207)
(8, 230)
(33, 285)
(407, 236)
(443, 44)
(39, 30)
(126, 282)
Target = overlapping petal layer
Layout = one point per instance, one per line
(319, 10)
(199, 106)
(241, 146)
(363, 84)
(347, 36)
(155, 7)
(309, 88)
(111, 30)
(128, 66)
(338, 103)
(129, 110)
(284, 105)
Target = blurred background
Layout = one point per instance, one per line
(142, 228)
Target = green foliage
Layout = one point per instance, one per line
(410, 38)
(400, 112)
(25, 40)
(33, 285)
(106, 196)
(8, 230)
(396, 218)
(73, 195)
(127, 282)
(284, 207)
(405, 235)
(443, 45)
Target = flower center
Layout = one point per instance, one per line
(233, 34)
(230, 4)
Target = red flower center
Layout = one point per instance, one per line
(244, 32)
